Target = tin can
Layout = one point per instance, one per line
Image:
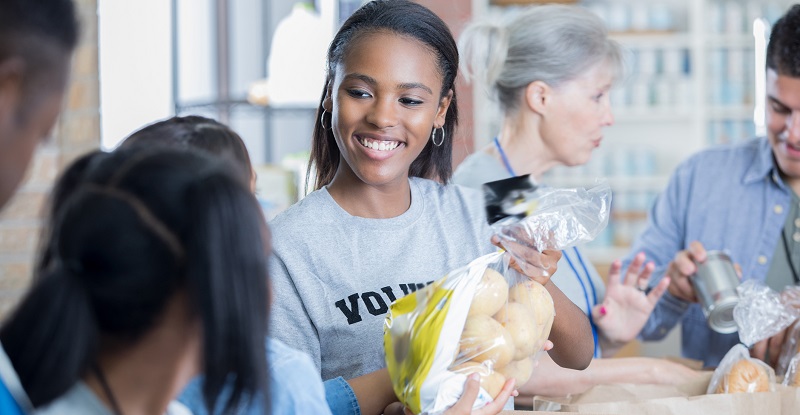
(715, 285)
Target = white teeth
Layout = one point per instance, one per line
(379, 145)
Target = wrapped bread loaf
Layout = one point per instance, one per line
(746, 375)
(738, 372)
(792, 375)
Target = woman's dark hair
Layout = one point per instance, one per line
(783, 50)
(132, 229)
(43, 33)
(194, 131)
(408, 19)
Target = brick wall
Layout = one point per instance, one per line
(77, 132)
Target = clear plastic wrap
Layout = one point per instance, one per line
(484, 318)
(545, 217)
(790, 347)
(761, 313)
(738, 372)
(791, 296)
(792, 374)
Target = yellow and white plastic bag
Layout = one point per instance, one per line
(484, 318)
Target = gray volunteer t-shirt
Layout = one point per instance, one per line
(334, 275)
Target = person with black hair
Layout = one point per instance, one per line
(742, 198)
(382, 221)
(156, 272)
(200, 133)
(295, 386)
(37, 39)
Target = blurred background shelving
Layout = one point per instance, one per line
(691, 81)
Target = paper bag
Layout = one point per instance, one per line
(689, 398)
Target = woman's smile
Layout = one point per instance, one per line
(379, 144)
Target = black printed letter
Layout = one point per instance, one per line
(352, 314)
(370, 299)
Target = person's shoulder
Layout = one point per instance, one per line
(745, 148)
(731, 157)
(177, 408)
(449, 192)
(299, 213)
(280, 353)
(296, 384)
(478, 168)
(78, 400)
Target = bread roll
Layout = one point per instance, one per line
(744, 376)
(491, 294)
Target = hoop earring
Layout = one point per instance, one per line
(433, 136)
(322, 120)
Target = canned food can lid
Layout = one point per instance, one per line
(718, 254)
(720, 319)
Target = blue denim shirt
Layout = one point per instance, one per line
(729, 198)
(295, 387)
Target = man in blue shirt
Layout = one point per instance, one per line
(741, 198)
(36, 43)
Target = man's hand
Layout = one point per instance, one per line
(769, 349)
(680, 270)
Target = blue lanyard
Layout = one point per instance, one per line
(589, 304)
(503, 156)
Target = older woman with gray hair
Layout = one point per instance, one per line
(550, 68)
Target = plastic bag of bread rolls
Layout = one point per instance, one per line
(790, 296)
(522, 213)
(761, 312)
(792, 375)
(791, 347)
(739, 373)
(483, 318)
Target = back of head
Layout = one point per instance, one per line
(196, 132)
(783, 50)
(404, 18)
(133, 228)
(550, 43)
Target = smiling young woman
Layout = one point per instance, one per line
(382, 222)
